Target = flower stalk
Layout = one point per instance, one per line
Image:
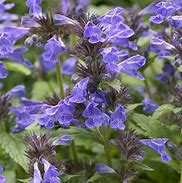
(60, 79)
(106, 133)
(74, 152)
(147, 86)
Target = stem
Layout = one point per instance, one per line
(147, 85)
(74, 151)
(181, 173)
(50, 9)
(2, 127)
(106, 136)
(60, 79)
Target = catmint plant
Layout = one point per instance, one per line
(102, 97)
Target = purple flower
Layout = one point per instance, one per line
(26, 113)
(117, 118)
(4, 7)
(158, 19)
(23, 118)
(162, 10)
(68, 66)
(113, 55)
(158, 145)
(93, 115)
(52, 48)
(2, 178)
(62, 113)
(149, 106)
(94, 33)
(33, 5)
(161, 44)
(17, 56)
(5, 44)
(102, 168)
(131, 66)
(175, 21)
(112, 17)
(168, 73)
(51, 174)
(63, 140)
(3, 71)
(17, 92)
(79, 91)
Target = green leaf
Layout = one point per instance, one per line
(77, 132)
(40, 90)
(99, 10)
(116, 84)
(165, 109)
(95, 177)
(132, 81)
(14, 146)
(17, 68)
(66, 177)
(24, 180)
(149, 126)
(144, 167)
(131, 107)
(162, 110)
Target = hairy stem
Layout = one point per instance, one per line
(74, 151)
(60, 79)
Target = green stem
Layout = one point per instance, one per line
(147, 85)
(106, 136)
(60, 79)
(2, 127)
(50, 9)
(74, 151)
(181, 173)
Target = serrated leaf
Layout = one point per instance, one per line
(162, 110)
(14, 146)
(149, 126)
(17, 68)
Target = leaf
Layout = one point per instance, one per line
(24, 180)
(66, 177)
(131, 107)
(101, 10)
(40, 90)
(149, 126)
(162, 110)
(116, 84)
(95, 177)
(17, 68)
(76, 132)
(144, 167)
(165, 109)
(131, 81)
(14, 146)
